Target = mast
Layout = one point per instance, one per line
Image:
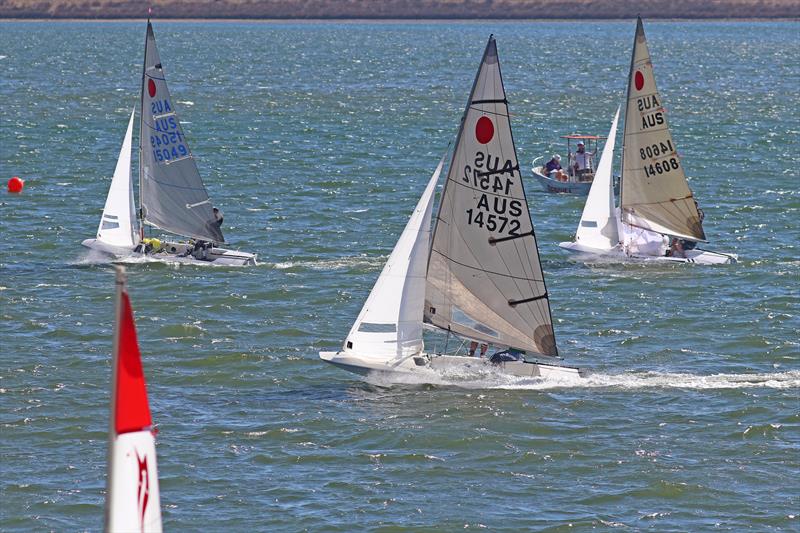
(120, 280)
(140, 211)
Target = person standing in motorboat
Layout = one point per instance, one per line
(582, 165)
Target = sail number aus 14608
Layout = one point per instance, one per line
(661, 167)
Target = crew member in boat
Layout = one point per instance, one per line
(582, 162)
(676, 249)
(691, 245)
(553, 168)
(201, 248)
(474, 346)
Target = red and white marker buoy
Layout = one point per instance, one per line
(15, 185)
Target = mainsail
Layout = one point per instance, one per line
(390, 323)
(484, 278)
(654, 194)
(118, 223)
(133, 502)
(598, 225)
(171, 194)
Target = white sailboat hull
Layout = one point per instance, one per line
(175, 252)
(425, 363)
(617, 254)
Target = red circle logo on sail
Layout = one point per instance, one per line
(484, 130)
(151, 88)
(638, 79)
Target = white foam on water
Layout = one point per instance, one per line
(663, 380)
(622, 381)
(339, 263)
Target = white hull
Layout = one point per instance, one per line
(423, 364)
(616, 254)
(175, 252)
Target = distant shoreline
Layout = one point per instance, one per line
(274, 20)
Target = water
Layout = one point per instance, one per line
(316, 141)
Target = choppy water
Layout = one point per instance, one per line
(316, 140)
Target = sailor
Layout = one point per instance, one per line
(217, 217)
(676, 249)
(583, 160)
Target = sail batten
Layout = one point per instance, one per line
(172, 195)
(654, 192)
(484, 255)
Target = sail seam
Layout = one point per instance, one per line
(510, 276)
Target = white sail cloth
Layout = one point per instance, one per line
(390, 322)
(118, 223)
(654, 193)
(598, 225)
(485, 281)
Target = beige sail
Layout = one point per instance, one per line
(654, 193)
(484, 278)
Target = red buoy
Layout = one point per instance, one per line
(15, 185)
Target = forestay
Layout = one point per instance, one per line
(172, 194)
(484, 278)
(390, 323)
(598, 225)
(118, 223)
(654, 193)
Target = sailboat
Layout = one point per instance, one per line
(475, 276)
(658, 217)
(171, 192)
(132, 496)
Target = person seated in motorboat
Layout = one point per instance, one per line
(582, 163)
(507, 356)
(552, 169)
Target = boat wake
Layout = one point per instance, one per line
(340, 263)
(623, 381)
